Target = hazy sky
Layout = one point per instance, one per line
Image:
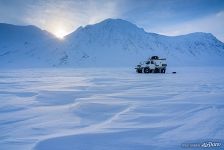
(169, 17)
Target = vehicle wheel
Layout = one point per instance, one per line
(156, 70)
(163, 70)
(139, 70)
(146, 70)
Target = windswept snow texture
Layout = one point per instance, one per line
(110, 109)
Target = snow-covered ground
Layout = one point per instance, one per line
(110, 109)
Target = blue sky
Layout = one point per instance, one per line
(169, 17)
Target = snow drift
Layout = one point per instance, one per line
(110, 109)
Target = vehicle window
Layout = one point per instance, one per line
(152, 62)
(148, 62)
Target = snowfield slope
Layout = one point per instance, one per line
(110, 43)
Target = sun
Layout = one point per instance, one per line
(60, 33)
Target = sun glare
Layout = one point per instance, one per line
(60, 33)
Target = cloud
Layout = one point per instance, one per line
(55, 15)
(69, 14)
(171, 17)
(212, 24)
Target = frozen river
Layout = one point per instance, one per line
(110, 109)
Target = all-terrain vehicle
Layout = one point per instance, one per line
(152, 65)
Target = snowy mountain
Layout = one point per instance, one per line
(119, 42)
(26, 46)
(112, 42)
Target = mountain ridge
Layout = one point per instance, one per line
(112, 42)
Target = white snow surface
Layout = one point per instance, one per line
(110, 108)
(110, 43)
